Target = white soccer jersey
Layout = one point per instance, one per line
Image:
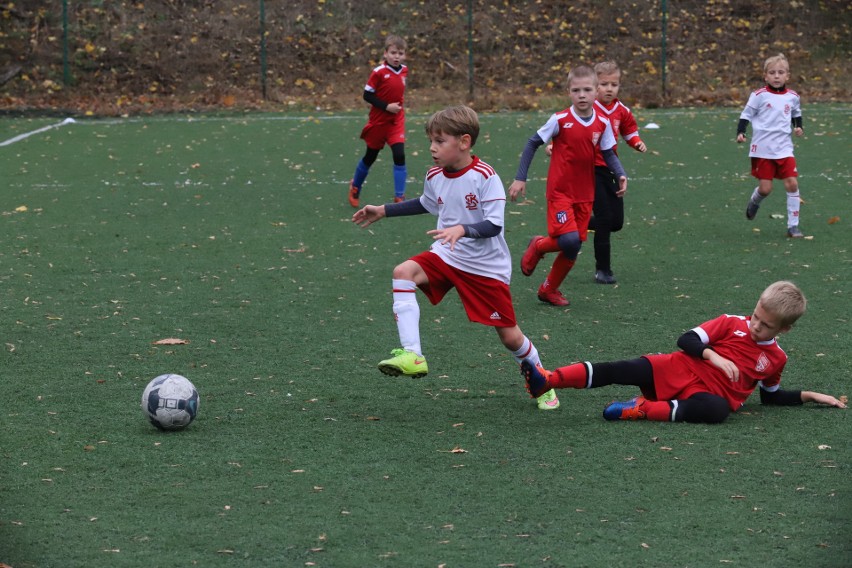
(770, 114)
(471, 195)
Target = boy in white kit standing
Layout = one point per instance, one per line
(774, 112)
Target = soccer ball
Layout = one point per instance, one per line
(170, 402)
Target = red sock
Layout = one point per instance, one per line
(546, 244)
(561, 267)
(659, 410)
(570, 377)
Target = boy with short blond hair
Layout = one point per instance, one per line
(385, 91)
(578, 132)
(774, 112)
(720, 364)
(469, 252)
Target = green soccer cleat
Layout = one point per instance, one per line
(406, 363)
(548, 401)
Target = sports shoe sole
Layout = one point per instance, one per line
(392, 371)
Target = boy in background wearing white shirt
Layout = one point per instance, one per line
(469, 252)
(774, 111)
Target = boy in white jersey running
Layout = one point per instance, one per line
(469, 253)
(774, 111)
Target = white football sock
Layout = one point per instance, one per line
(406, 310)
(527, 352)
(756, 197)
(793, 204)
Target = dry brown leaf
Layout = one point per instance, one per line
(458, 450)
(833, 220)
(171, 341)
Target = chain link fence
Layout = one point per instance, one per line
(309, 53)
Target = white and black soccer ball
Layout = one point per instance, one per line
(170, 402)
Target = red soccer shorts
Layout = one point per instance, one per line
(566, 216)
(767, 168)
(377, 135)
(486, 300)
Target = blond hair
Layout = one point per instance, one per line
(770, 61)
(455, 121)
(582, 72)
(784, 300)
(607, 68)
(395, 41)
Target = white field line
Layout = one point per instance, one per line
(20, 137)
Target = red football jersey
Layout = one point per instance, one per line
(678, 375)
(622, 122)
(575, 143)
(389, 85)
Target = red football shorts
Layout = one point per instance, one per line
(376, 135)
(767, 168)
(566, 216)
(486, 300)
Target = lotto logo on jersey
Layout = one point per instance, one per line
(470, 201)
(762, 363)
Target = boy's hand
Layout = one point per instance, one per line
(798, 131)
(641, 147)
(819, 398)
(516, 188)
(622, 187)
(549, 149)
(393, 108)
(449, 235)
(740, 138)
(368, 215)
(725, 365)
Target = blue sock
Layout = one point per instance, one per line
(399, 175)
(361, 172)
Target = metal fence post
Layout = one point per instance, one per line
(66, 71)
(263, 48)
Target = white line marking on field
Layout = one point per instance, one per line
(20, 137)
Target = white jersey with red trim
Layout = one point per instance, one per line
(771, 114)
(468, 196)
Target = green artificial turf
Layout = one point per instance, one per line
(233, 232)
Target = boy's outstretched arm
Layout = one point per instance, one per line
(520, 183)
(782, 397)
(368, 215)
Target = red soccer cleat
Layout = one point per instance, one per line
(531, 257)
(553, 297)
(354, 192)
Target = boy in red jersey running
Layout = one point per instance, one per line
(774, 111)
(577, 133)
(608, 210)
(469, 253)
(385, 90)
(721, 363)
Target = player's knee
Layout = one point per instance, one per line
(705, 408)
(569, 243)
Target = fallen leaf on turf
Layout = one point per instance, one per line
(171, 341)
(823, 447)
(833, 220)
(22, 209)
(89, 448)
(777, 216)
(645, 545)
(844, 399)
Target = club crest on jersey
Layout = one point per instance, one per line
(470, 201)
(615, 125)
(561, 216)
(595, 137)
(786, 109)
(762, 363)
